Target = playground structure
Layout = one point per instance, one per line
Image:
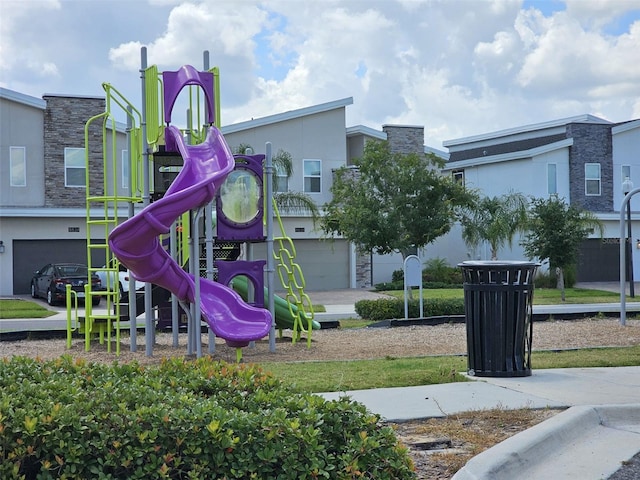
(177, 175)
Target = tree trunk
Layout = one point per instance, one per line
(560, 282)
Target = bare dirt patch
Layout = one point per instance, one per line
(343, 344)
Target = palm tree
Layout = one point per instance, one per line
(495, 220)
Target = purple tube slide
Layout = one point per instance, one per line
(136, 244)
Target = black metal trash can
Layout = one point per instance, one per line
(498, 304)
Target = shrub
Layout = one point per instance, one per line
(183, 419)
(385, 309)
(384, 287)
(548, 279)
(397, 276)
(436, 272)
(439, 271)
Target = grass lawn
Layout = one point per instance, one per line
(541, 296)
(405, 372)
(22, 309)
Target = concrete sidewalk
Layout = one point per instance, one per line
(591, 440)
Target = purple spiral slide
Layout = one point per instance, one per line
(136, 244)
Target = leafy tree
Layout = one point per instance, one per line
(392, 202)
(495, 220)
(285, 200)
(556, 231)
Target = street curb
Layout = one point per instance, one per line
(587, 442)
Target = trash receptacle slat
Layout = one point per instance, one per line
(497, 297)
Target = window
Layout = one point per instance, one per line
(281, 183)
(74, 167)
(125, 169)
(458, 176)
(626, 172)
(592, 179)
(552, 179)
(312, 176)
(17, 166)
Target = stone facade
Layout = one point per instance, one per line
(64, 121)
(363, 270)
(405, 138)
(592, 143)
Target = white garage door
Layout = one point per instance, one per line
(325, 265)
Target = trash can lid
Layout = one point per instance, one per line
(497, 264)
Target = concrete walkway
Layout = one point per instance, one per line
(591, 440)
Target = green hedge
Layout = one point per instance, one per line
(383, 287)
(385, 309)
(183, 419)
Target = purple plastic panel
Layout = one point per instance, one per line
(253, 231)
(253, 270)
(174, 82)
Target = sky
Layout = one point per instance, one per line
(457, 67)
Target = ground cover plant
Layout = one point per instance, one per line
(183, 419)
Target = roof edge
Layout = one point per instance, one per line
(364, 130)
(22, 98)
(505, 157)
(626, 126)
(586, 118)
(289, 115)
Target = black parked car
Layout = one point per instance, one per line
(51, 281)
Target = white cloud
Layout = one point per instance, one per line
(19, 43)
(458, 67)
(595, 14)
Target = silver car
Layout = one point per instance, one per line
(121, 280)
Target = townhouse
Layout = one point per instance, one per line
(583, 159)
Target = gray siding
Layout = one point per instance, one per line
(318, 136)
(22, 127)
(507, 147)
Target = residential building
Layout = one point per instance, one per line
(315, 138)
(42, 182)
(43, 173)
(42, 179)
(583, 160)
